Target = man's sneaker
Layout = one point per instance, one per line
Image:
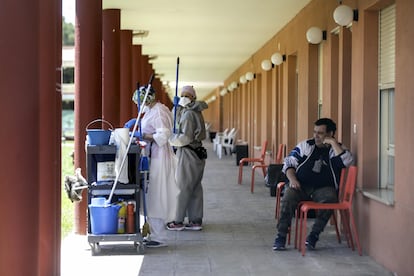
(193, 226)
(280, 243)
(154, 244)
(311, 240)
(175, 226)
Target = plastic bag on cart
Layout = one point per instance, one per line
(121, 139)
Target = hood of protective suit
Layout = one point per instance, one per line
(197, 106)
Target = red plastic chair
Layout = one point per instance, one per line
(333, 217)
(278, 160)
(344, 207)
(279, 189)
(253, 160)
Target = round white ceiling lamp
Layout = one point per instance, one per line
(343, 15)
(234, 85)
(266, 65)
(211, 99)
(223, 92)
(249, 76)
(314, 35)
(243, 79)
(277, 58)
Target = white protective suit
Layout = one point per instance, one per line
(161, 197)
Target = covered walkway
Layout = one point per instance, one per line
(237, 238)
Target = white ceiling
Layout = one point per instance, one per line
(212, 38)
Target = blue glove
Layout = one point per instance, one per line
(176, 100)
(130, 123)
(138, 135)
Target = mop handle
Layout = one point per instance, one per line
(144, 203)
(176, 92)
(130, 141)
(138, 106)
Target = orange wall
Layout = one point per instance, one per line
(385, 227)
(350, 97)
(211, 114)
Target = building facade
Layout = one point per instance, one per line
(359, 74)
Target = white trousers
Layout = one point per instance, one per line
(158, 231)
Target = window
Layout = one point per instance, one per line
(386, 91)
(386, 169)
(68, 120)
(68, 75)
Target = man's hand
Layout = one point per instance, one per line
(293, 181)
(334, 144)
(330, 140)
(294, 184)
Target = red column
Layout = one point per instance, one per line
(145, 69)
(110, 65)
(19, 117)
(126, 85)
(88, 85)
(136, 73)
(159, 95)
(50, 109)
(150, 71)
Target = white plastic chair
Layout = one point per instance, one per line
(228, 142)
(219, 136)
(207, 126)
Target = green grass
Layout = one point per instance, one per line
(67, 220)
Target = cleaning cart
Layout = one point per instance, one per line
(109, 190)
(104, 223)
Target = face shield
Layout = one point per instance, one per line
(141, 94)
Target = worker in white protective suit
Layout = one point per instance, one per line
(161, 195)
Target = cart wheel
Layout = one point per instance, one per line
(95, 248)
(140, 247)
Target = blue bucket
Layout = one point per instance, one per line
(104, 219)
(98, 136)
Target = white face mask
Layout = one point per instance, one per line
(145, 109)
(184, 101)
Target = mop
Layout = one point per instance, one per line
(108, 201)
(74, 185)
(176, 94)
(144, 169)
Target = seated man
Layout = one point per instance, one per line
(313, 169)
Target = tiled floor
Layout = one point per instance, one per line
(237, 238)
